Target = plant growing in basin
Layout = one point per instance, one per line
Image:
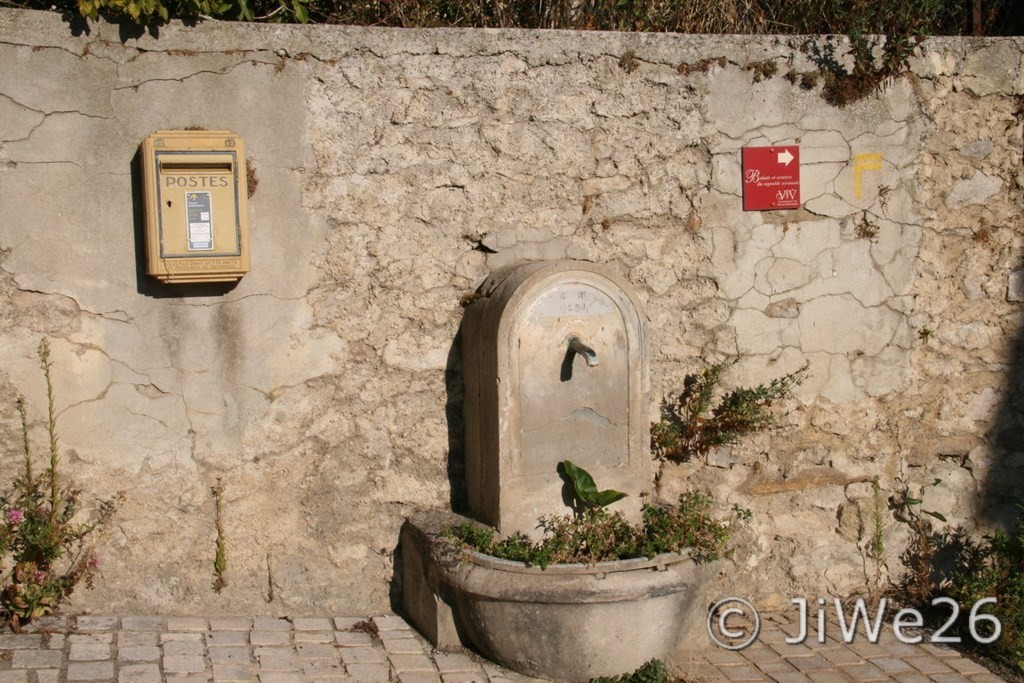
(594, 534)
(596, 595)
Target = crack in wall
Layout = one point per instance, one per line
(35, 47)
(181, 79)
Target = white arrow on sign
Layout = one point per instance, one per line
(785, 157)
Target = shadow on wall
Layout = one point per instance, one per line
(454, 397)
(1003, 492)
(127, 29)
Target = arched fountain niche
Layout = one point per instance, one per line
(555, 368)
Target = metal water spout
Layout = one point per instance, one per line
(577, 346)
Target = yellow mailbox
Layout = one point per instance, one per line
(194, 187)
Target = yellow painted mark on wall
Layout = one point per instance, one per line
(861, 163)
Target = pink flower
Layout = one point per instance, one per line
(94, 562)
(15, 516)
(40, 577)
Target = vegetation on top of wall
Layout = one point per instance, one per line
(160, 11)
(877, 61)
(850, 17)
(883, 34)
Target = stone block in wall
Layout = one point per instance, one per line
(841, 324)
(765, 104)
(786, 308)
(16, 121)
(925, 449)
(977, 150)
(968, 412)
(1015, 286)
(823, 147)
(721, 457)
(991, 69)
(472, 265)
(850, 517)
(757, 333)
(815, 478)
(881, 374)
(972, 336)
(501, 237)
(977, 189)
(830, 205)
(831, 566)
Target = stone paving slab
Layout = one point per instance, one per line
(385, 649)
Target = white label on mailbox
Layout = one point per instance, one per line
(572, 300)
(200, 225)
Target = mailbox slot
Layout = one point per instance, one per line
(196, 213)
(202, 166)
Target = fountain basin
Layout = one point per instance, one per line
(567, 622)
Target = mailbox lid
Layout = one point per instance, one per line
(193, 139)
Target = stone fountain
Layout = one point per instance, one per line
(555, 368)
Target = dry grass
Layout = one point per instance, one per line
(849, 17)
(919, 17)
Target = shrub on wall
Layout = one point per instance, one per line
(690, 426)
(150, 12)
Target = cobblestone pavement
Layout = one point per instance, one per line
(771, 658)
(381, 649)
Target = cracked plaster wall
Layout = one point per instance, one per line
(396, 169)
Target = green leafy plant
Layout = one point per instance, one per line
(920, 555)
(687, 525)
(912, 505)
(652, 671)
(690, 427)
(585, 493)
(876, 544)
(43, 542)
(595, 534)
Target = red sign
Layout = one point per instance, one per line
(771, 178)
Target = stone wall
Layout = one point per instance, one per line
(396, 169)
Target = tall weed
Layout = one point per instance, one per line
(44, 537)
